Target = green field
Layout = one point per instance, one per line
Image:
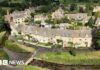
(3, 55)
(89, 58)
(15, 47)
(29, 67)
(1, 36)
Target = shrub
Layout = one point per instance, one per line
(72, 52)
(3, 55)
(38, 22)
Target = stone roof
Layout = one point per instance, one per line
(20, 14)
(77, 16)
(83, 17)
(47, 32)
(58, 14)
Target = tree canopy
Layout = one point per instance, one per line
(96, 38)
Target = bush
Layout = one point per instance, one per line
(3, 55)
(38, 22)
(72, 52)
(2, 38)
(49, 43)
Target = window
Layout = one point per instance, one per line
(80, 39)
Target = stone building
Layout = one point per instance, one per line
(80, 38)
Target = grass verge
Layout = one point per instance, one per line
(3, 55)
(86, 58)
(15, 47)
(29, 67)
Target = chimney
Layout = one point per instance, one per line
(8, 12)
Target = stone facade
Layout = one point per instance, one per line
(80, 38)
(96, 9)
(58, 14)
(18, 17)
(81, 17)
(97, 23)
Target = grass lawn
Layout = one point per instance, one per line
(13, 46)
(86, 58)
(29, 67)
(3, 55)
(1, 36)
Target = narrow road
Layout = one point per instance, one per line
(17, 56)
(10, 68)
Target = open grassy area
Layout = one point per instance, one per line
(3, 55)
(1, 36)
(13, 46)
(29, 67)
(86, 58)
(38, 44)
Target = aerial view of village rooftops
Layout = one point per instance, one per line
(49, 35)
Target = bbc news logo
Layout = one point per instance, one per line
(12, 62)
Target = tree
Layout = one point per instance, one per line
(41, 2)
(65, 20)
(58, 46)
(72, 48)
(91, 22)
(2, 35)
(2, 12)
(96, 38)
(2, 22)
(37, 22)
(60, 43)
(32, 15)
(89, 7)
(62, 1)
(73, 7)
(97, 14)
(49, 21)
(74, 25)
(81, 10)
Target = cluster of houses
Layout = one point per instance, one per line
(18, 17)
(80, 38)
